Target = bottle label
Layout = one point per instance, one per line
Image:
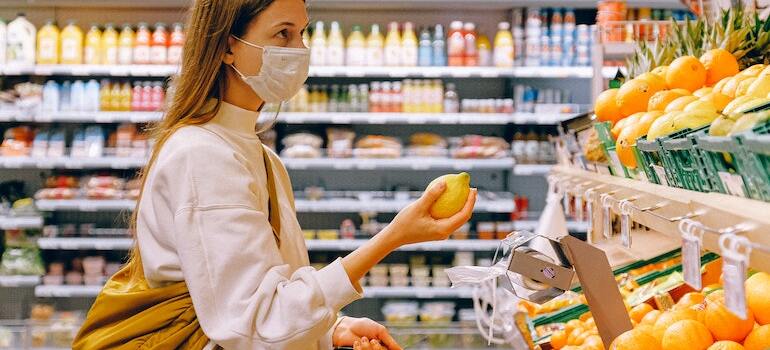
(318, 55)
(175, 54)
(69, 50)
(90, 55)
(335, 55)
(48, 50)
(356, 56)
(111, 55)
(392, 55)
(125, 54)
(141, 54)
(158, 54)
(409, 56)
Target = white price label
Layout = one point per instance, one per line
(733, 183)
(625, 230)
(606, 222)
(579, 208)
(617, 167)
(691, 264)
(661, 174)
(734, 272)
(590, 219)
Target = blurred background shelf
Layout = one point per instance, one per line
(20, 222)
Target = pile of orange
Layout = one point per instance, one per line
(696, 322)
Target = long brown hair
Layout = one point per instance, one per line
(202, 77)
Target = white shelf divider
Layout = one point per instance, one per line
(19, 281)
(418, 292)
(531, 225)
(532, 169)
(86, 205)
(71, 163)
(20, 222)
(411, 163)
(67, 291)
(469, 245)
(89, 243)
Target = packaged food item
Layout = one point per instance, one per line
(159, 44)
(504, 228)
(398, 270)
(399, 281)
(400, 313)
(462, 232)
(328, 235)
(71, 44)
(471, 55)
(378, 281)
(380, 270)
(73, 278)
(484, 49)
(420, 271)
(109, 45)
(504, 47)
(355, 54)
(309, 234)
(425, 48)
(456, 44)
(486, 230)
(48, 43)
(17, 141)
(21, 260)
(377, 146)
(339, 143)
(335, 46)
(3, 41)
(475, 146)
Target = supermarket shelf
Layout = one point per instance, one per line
(531, 225)
(20, 222)
(621, 50)
(302, 205)
(531, 169)
(65, 291)
(72, 163)
(99, 117)
(716, 211)
(86, 70)
(470, 245)
(413, 163)
(86, 243)
(19, 281)
(417, 292)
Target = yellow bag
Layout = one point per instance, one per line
(130, 315)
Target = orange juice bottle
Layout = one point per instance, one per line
(105, 96)
(503, 52)
(71, 44)
(126, 45)
(125, 97)
(393, 45)
(48, 44)
(374, 47)
(93, 46)
(142, 42)
(115, 99)
(109, 52)
(409, 46)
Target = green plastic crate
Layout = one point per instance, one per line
(604, 132)
(718, 155)
(682, 161)
(755, 160)
(649, 159)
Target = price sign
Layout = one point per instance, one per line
(661, 174)
(733, 183)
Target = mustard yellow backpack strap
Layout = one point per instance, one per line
(128, 314)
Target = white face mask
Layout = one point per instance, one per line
(284, 71)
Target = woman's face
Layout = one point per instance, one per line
(282, 24)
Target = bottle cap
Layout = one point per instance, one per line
(456, 25)
(469, 26)
(504, 26)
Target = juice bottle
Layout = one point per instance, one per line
(136, 97)
(471, 52)
(503, 55)
(456, 44)
(3, 40)
(425, 51)
(126, 45)
(176, 43)
(318, 45)
(393, 45)
(146, 96)
(93, 45)
(109, 45)
(78, 96)
(157, 97)
(115, 104)
(65, 95)
(92, 96)
(374, 47)
(335, 46)
(159, 45)
(125, 97)
(484, 48)
(50, 97)
(409, 46)
(142, 42)
(356, 50)
(105, 95)
(71, 44)
(21, 36)
(48, 43)
(439, 47)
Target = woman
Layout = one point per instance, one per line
(221, 260)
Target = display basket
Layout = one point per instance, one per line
(604, 132)
(648, 160)
(681, 161)
(755, 161)
(717, 156)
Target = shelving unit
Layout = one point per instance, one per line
(19, 281)
(20, 222)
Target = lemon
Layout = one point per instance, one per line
(454, 197)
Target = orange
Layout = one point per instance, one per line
(593, 342)
(759, 339)
(680, 103)
(686, 72)
(687, 335)
(719, 63)
(635, 340)
(621, 124)
(758, 295)
(657, 82)
(669, 318)
(639, 311)
(650, 318)
(661, 99)
(624, 146)
(558, 339)
(634, 96)
(606, 106)
(585, 316)
(724, 325)
(726, 345)
(690, 299)
(719, 99)
(660, 70)
(571, 325)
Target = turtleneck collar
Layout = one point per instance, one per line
(236, 119)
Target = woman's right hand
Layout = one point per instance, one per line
(414, 224)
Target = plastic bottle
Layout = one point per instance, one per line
(21, 36)
(439, 47)
(374, 47)
(105, 95)
(363, 97)
(157, 97)
(471, 57)
(503, 52)
(437, 97)
(109, 53)
(176, 42)
(159, 46)
(142, 41)
(335, 46)
(318, 45)
(115, 97)
(51, 97)
(65, 96)
(393, 45)
(92, 96)
(136, 97)
(93, 45)
(425, 51)
(484, 48)
(125, 97)
(126, 45)
(3, 40)
(451, 99)
(146, 96)
(356, 48)
(409, 46)
(456, 44)
(48, 43)
(375, 105)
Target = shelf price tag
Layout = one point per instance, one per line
(691, 251)
(579, 207)
(617, 167)
(733, 183)
(606, 216)
(735, 263)
(661, 174)
(590, 197)
(625, 223)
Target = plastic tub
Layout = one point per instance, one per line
(398, 270)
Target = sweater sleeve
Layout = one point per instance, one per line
(244, 295)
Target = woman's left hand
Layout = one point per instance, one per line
(353, 330)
